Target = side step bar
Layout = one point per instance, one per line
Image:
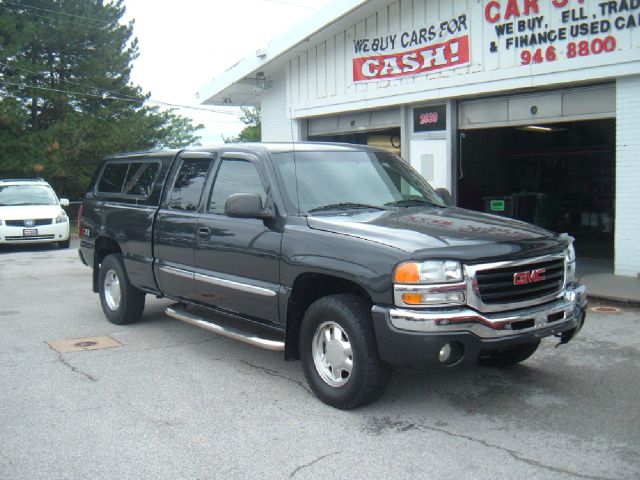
(180, 313)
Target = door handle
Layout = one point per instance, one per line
(204, 232)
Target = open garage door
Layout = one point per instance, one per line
(560, 176)
(547, 158)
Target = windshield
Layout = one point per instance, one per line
(13, 195)
(350, 180)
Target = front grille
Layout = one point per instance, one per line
(38, 222)
(497, 285)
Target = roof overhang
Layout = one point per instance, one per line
(243, 83)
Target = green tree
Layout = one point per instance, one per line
(253, 130)
(66, 99)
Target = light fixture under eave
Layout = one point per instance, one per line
(540, 129)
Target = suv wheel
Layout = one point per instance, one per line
(64, 243)
(121, 302)
(338, 352)
(509, 356)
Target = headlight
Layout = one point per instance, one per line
(570, 254)
(436, 271)
(62, 218)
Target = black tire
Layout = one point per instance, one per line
(369, 376)
(64, 243)
(509, 356)
(131, 304)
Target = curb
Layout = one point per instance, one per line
(623, 302)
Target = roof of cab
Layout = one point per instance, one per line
(274, 147)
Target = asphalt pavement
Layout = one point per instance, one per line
(173, 401)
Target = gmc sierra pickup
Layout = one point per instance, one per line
(339, 255)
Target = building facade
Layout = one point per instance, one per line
(525, 108)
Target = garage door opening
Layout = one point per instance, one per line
(389, 139)
(559, 176)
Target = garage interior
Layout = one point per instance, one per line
(560, 176)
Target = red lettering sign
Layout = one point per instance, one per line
(414, 62)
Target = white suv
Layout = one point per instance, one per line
(30, 212)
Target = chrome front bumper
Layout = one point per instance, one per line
(553, 317)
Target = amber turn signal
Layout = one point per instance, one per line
(407, 273)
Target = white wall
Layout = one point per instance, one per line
(277, 125)
(627, 227)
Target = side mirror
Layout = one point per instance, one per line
(445, 195)
(64, 202)
(246, 205)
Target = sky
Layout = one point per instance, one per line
(184, 44)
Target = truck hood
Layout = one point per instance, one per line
(415, 229)
(22, 212)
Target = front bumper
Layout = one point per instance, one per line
(55, 232)
(414, 338)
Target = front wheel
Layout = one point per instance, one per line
(339, 354)
(64, 243)
(509, 356)
(122, 303)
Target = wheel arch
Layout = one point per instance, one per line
(307, 288)
(103, 246)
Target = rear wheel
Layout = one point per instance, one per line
(122, 303)
(339, 354)
(509, 356)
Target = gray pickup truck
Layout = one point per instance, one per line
(341, 256)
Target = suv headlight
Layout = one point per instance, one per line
(62, 218)
(430, 283)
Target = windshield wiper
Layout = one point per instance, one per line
(345, 205)
(410, 202)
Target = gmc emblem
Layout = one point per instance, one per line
(522, 278)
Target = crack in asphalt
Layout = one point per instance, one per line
(273, 373)
(378, 427)
(313, 462)
(62, 360)
(515, 454)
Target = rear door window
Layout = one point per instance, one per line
(140, 178)
(113, 177)
(188, 184)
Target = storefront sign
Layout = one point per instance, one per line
(414, 52)
(497, 35)
(547, 31)
(430, 119)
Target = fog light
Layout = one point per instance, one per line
(450, 354)
(445, 353)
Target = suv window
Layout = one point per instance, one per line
(235, 176)
(140, 178)
(188, 185)
(113, 177)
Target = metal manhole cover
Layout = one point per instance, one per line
(80, 344)
(605, 309)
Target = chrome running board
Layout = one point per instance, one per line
(179, 312)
